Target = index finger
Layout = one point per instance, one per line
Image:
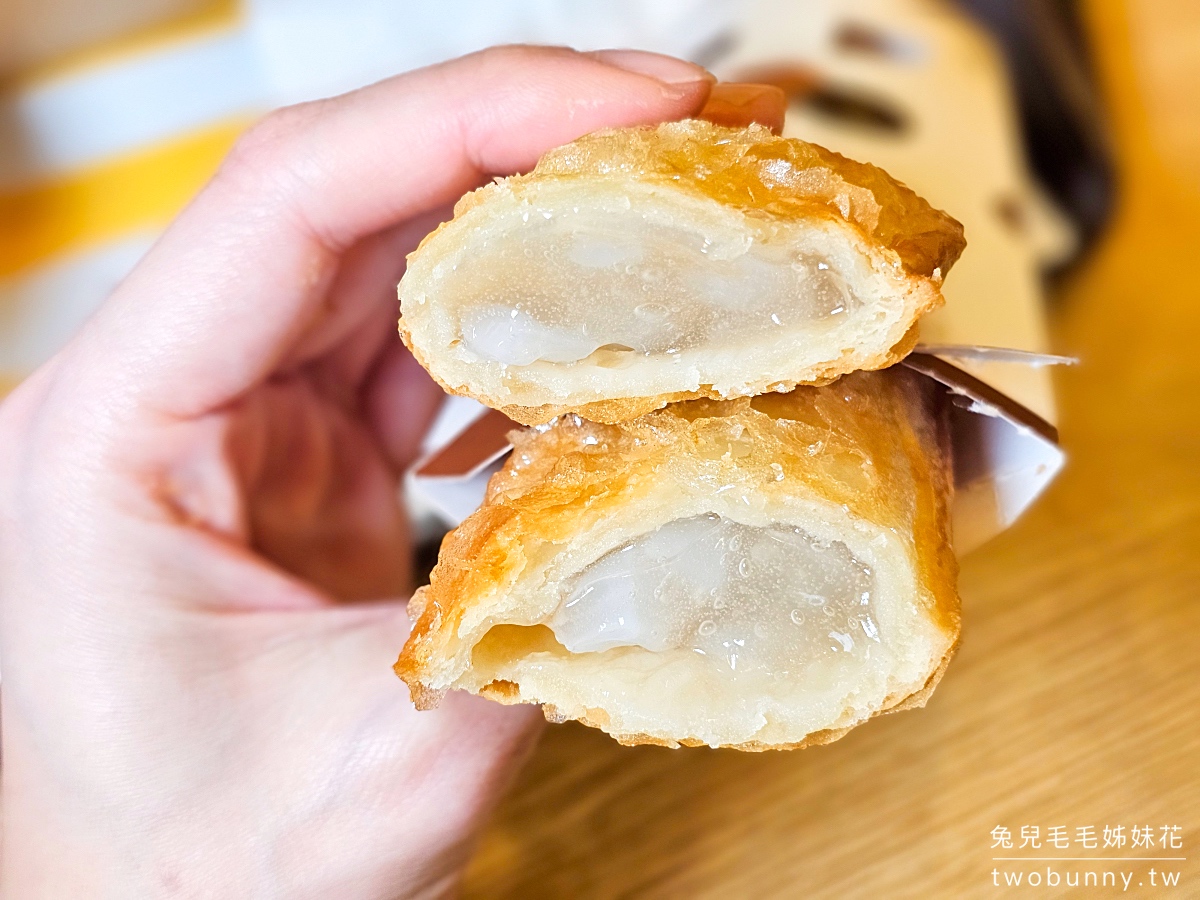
(243, 272)
(737, 105)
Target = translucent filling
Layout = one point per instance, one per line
(567, 284)
(771, 600)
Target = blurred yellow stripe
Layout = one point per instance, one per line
(8, 383)
(213, 15)
(143, 189)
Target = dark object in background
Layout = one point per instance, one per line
(846, 104)
(1062, 118)
(1061, 114)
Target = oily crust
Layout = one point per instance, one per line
(564, 480)
(753, 169)
(908, 244)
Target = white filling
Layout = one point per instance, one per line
(772, 601)
(666, 288)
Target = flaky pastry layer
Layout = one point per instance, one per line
(830, 491)
(641, 266)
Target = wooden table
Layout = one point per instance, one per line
(1074, 699)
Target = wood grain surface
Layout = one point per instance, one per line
(1074, 699)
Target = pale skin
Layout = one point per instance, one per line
(203, 564)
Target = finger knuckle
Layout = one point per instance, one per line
(269, 142)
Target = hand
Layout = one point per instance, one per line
(202, 558)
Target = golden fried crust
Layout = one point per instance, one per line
(873, 444)
(908, 245)
(753, 169)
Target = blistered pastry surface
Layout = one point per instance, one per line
(871, 444)
(765, 182)
(753, 169)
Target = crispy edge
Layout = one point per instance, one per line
(625, 409)
(507, 693)
(926, 442)
(573, 160)
(739, 167)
